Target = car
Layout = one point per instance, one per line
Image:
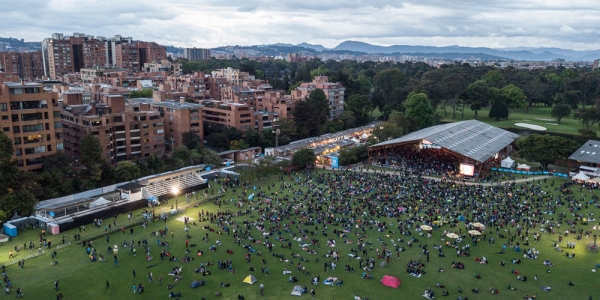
(227, 161)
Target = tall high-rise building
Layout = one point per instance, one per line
(28, 65)
(31, 119)
(134, 55)
(196, 53)
(68, 54)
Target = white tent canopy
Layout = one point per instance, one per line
(581, 176)
(99, 202)
(297, 291)
(523, 167)
(507, 163)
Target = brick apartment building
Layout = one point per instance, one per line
(172, 69)
(179, 117)
(28, 65)
(214, 85)
(236, 115)
(125, 130)
(31, 119)
(234, 76)
(62, 55)
(333, 91)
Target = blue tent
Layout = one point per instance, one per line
(461, 218)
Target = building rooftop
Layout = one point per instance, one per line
(588, 152)
(472, 138)
(167, 104)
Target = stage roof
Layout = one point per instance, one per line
(589, 152)
(472, 138)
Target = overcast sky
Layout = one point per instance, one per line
(573, 24)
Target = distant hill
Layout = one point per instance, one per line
(535, 54)
(12, 43)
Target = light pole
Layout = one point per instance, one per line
(277, 132)
(175, 190)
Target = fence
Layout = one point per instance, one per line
(30, 256)
(531, 173)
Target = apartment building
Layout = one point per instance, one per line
(27, 65)
(333, 91)
(179, 117)
(228, 114)
(234, 76)
(31, 119)
(214, 85)
(125, 130)
(97, 72)
(196, 53)
(134, 55)
(172, 69)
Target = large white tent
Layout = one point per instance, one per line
(507, 163)
(581, 176)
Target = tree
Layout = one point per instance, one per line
(304, 157)
(91, 156)
(454, 85)
(191, 139)
(218, 140)
(145, 93)
(494, 79)
(585, 135)
(348, 119)
(477, 96)
(353, 155)
(361, 106)
(498, 111)
(545, 149)
(404, 123)
(513, 97)
(91, 150)
(8, 166)
(588, 85)
(210, 157)
(418, 108)
(389, 90)
(589, 116)
(560, 111)
(238, 145)
(311, 115)
(20, 202)
(126, 171)
(385, 131)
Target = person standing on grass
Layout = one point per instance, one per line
(312, 293)
(159, 280)
(55, 285)
(107, 285)
(134, 288)
(133, 273)
(150, 277)
(262, 288)
(10, 255)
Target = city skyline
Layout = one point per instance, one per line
(185, 23)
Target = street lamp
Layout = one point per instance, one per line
(175, 190)
(277, 132)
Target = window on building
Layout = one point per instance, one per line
(4, 117)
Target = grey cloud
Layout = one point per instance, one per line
(211, 23)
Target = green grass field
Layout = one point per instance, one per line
(82, 279)
(536, 116)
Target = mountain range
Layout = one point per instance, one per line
(520, 53)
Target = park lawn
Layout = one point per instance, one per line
(537, 116)
(82, 279)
